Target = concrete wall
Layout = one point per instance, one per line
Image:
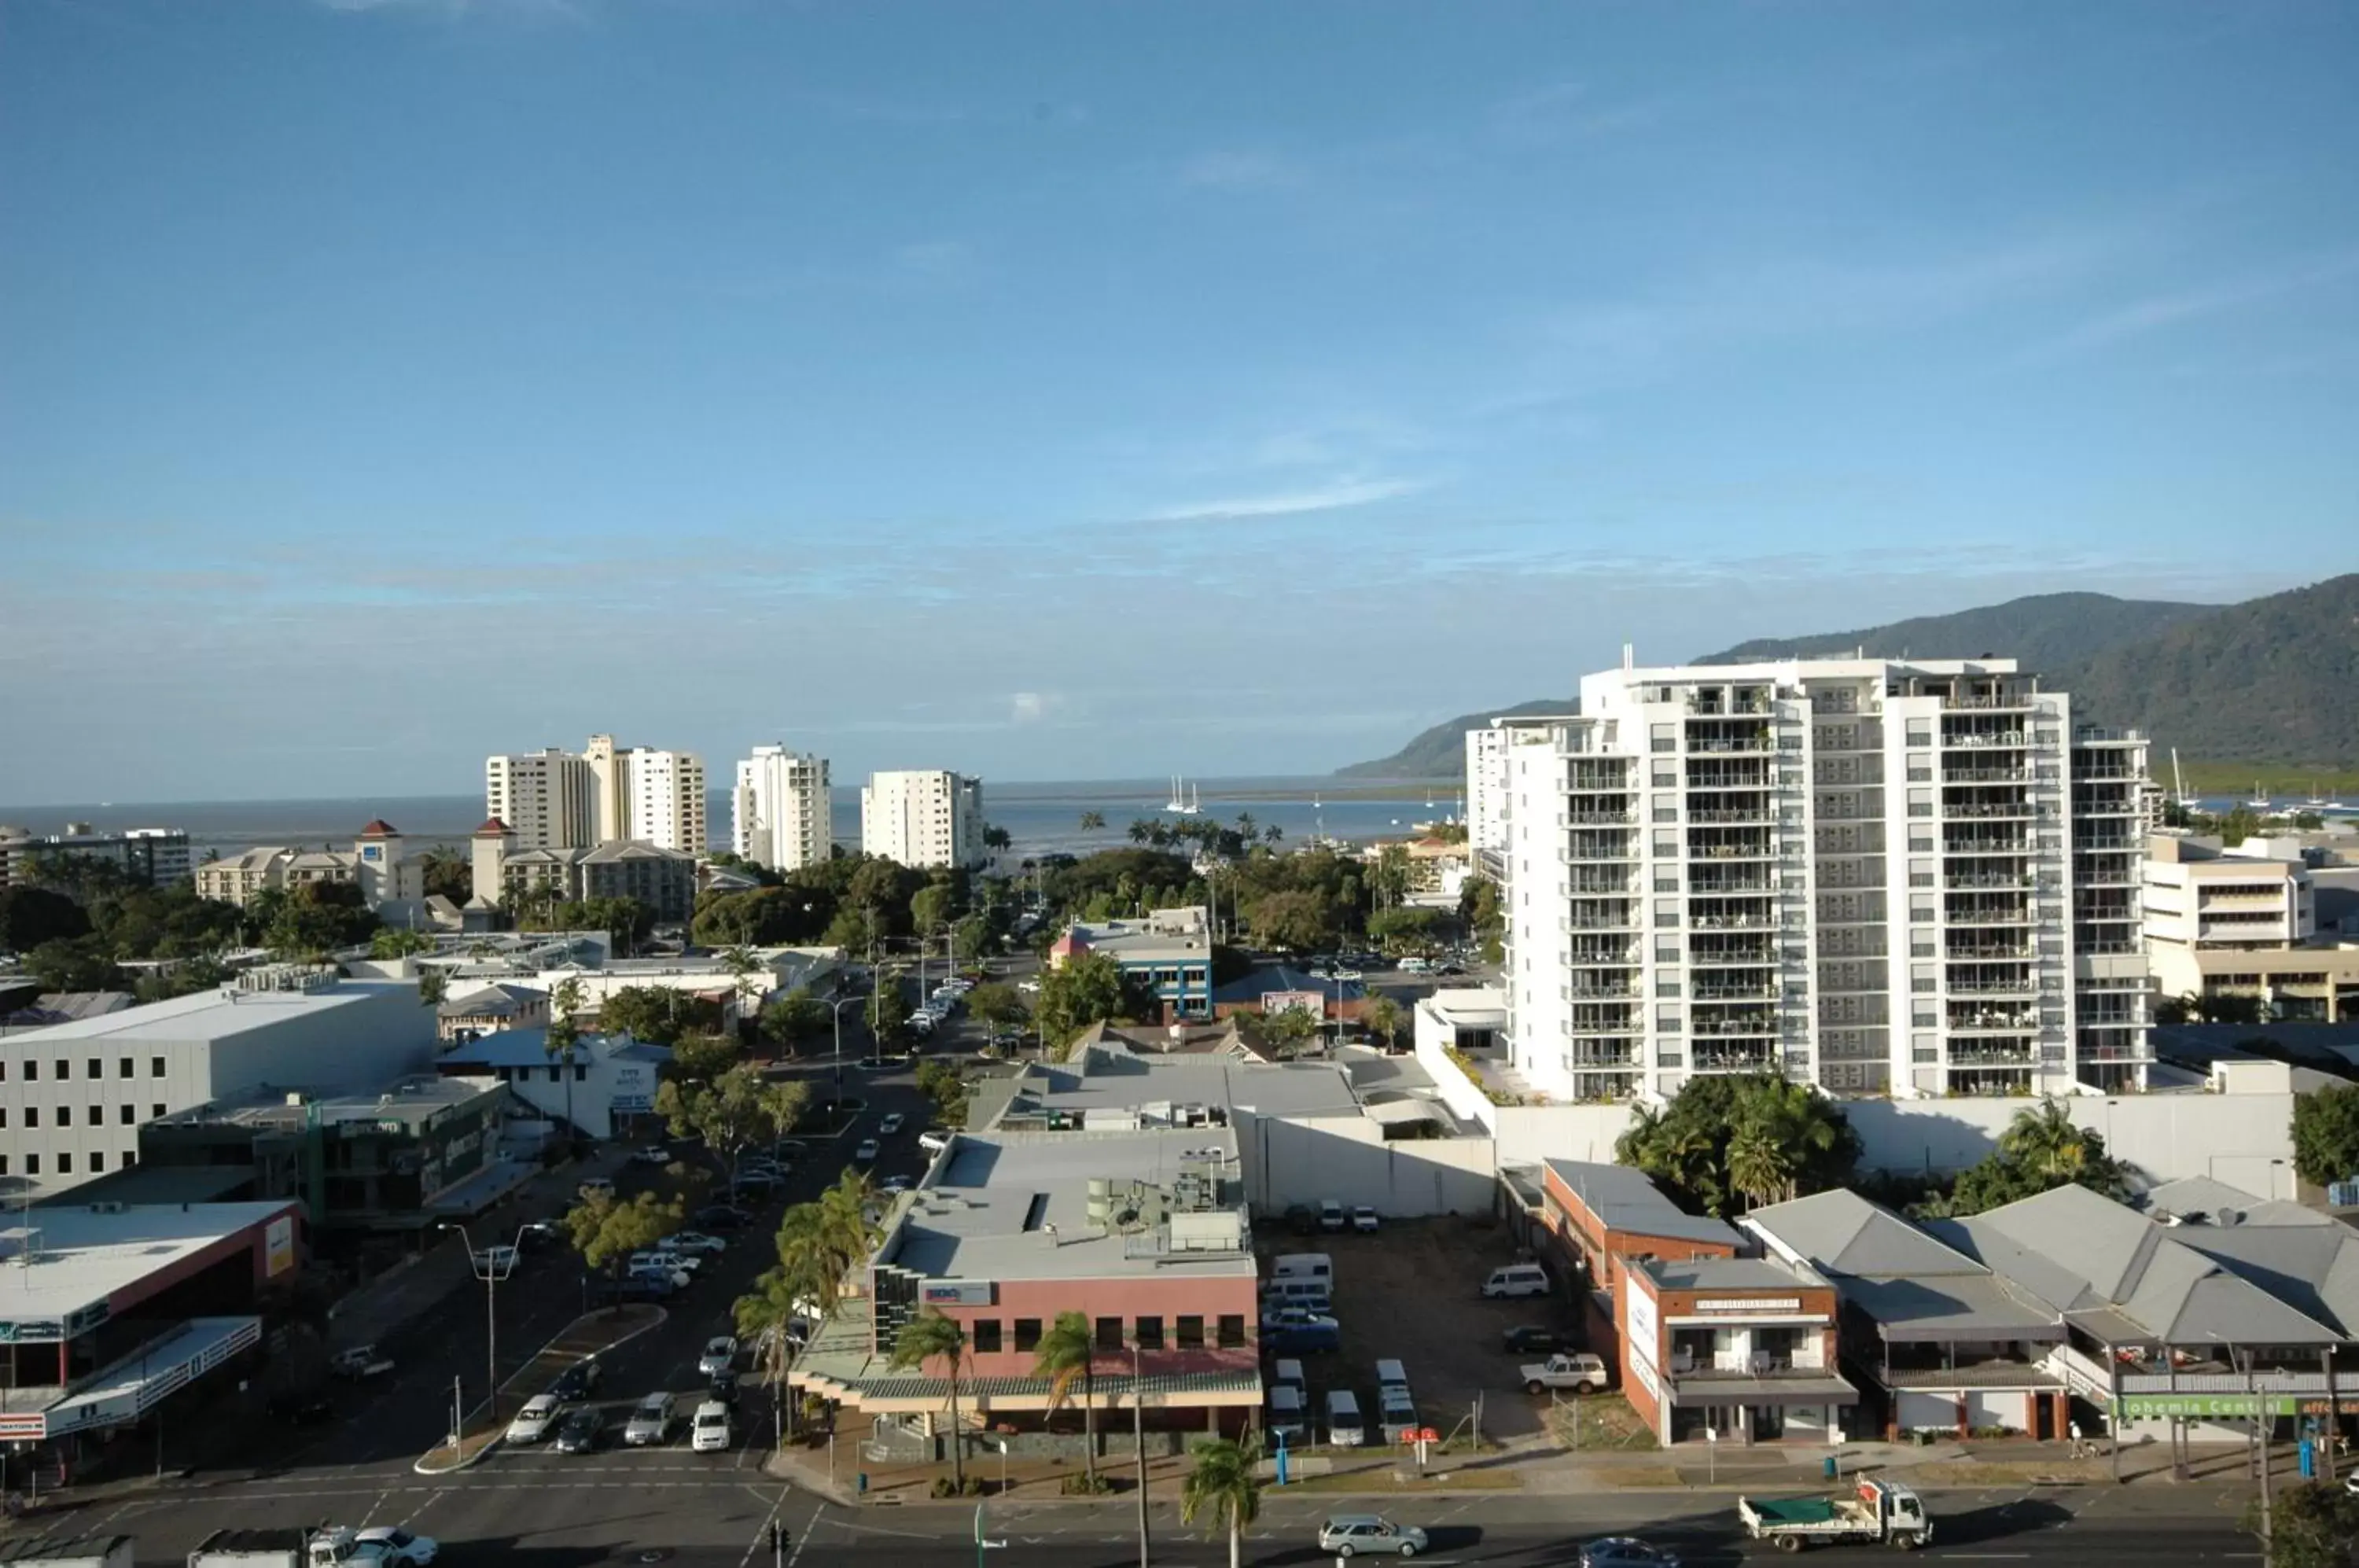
(1302, 1159)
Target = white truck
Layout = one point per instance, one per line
(1875, 1512)
(1579, 1371)
(283, 1548)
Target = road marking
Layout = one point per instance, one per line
(804, 1539)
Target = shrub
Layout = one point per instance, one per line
(1085, 1486)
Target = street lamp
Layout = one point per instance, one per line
(837, 1008)
(488, 1266)
(1139, 1436)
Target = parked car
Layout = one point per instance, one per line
(1330, 1215)
(533, 1422)
(664, 1257)
(653, 1286)
(692, 1242)
(1517, 1279)
(1626, 1551)
(1293, 1332)
(724, 1389)
(934, 1140)
(499, 1262)
(580, 1432)
(867, 1152)
(652, 1154)
(360, 1361)
(596, 1186)
(650, 1421)
(722, 1216)
(710, 1434)
(1530, 1339)
(789, 1149)
(392, 1544)
(578, 1381)
(895, 1184)
(890, 1125)
(1580, 1371)
(1347, 1535)
(720, 1355)
(1364, 1219)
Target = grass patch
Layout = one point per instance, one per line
(1599, 1423)
(1389, 1478)
(2286, 783)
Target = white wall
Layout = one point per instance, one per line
(1302, 1159)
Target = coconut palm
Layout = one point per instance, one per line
(922, 1339)
(1091, 822)
(1141, 830)
(1221, 1490)
(1382, 1017)
(1067, 1355)
(1758, 1166)
(764, 1315)
(1272, 834)
(2047, 1143)
(562, 1037)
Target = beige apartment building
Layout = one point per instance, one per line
(2243, 922)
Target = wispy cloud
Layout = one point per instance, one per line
(550, 10)
(2159, 313)
(1571, 111)
(1331, 497)
(1241, 170)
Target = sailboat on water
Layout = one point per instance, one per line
(1183, 803)
(2260, 801)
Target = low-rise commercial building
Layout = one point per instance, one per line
(604, 1085)
(74, 1096)
(1169, 954)
(1744, 1348)
(1144, 1234)
(111, 1308)
(487, 1009)
(1595, 1217)
(2222, 922)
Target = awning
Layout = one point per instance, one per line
(1726, 1391)
(144, 1380)
(1405, 1112)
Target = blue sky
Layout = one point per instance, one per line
(1071, 391)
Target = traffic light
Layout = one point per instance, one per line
(778, 1536)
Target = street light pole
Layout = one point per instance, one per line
(1138, 1438)
(837, 1008)
(487, 1267)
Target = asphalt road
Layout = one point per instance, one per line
(617, 1507)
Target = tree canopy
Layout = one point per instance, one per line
(2042, 1149)
(1089, 989)
(1756, 1136)
(660, 1015)
(606, 1231)
(2326, 1134)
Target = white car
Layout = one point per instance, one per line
(533, 1421)
(710, 1434)
(650, 1421)
(867, 1152)
(499, 1260)
(933, 1141)
(1364, 1219)
(890, 1125)
(720, 1355)
(692, 1241)
(664, 1257)
(1028, 986)
(897, 1184)
(392, 1544)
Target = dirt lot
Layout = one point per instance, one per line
(1410, 1292)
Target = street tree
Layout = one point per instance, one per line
(1222, 1491)
(2310, 1525)
(733, 1111)
(397, 942)
(789, 1020)
(2326, 1134)
(1067, 1355)
(606, 1231)
(931, 1337)
(1088, 989)
(996, 1004)
(562, 1040)
(1382, 1017)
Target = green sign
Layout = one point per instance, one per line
(2237, 1407)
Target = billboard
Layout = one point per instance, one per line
(957, 1293)
(278, 1246)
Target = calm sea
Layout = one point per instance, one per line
(1041, 818)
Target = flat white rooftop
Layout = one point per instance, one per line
(71, 1257)
(212, 1015)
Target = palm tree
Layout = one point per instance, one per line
(1066, 1356)
(1758, 1166)
(1141, 830)
(1220, 1490)
(847, 1234)
(763, 1314)
(1092, 822)
(1246, 827)
(922, 1339)
(563, 1033)
(2046, 1142)
(1382, 1019)
(1272, 834)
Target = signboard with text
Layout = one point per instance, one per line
(956, 1293)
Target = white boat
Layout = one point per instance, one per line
(1182, 803)
(2260, 801)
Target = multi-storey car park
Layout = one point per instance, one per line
(1877, 875)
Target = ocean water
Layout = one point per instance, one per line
(1041, 818)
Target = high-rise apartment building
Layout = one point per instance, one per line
(158, 856)
(547, 798)
(665, 792)
(923, 817)
(610, 786)
(779, 811)
(1879, 876)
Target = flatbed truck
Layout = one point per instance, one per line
(1874, 1511)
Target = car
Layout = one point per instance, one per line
(392, 1544)
(1625, 1551)
(578, 1381)
(359, 1362)
(758, 1166)
(663, 1257)
(650, 1287)
(2351, 1484)
(789, 1149)
(1530, 1339)
(1364, 1219)
(1028, 986)
(723, 1391)
(532, 1422)
(653, 1154)
(923, 1022)
(890, 1125)
(710, 1431)
(1330, 1215)
(675, 1279)
(650, 1421)
(580, 1432)
(867, 1152)
(1347, 1535)
(934, 1140)
(691, 1241)
(500, 1260)
(596, 1186)
(1452, 969)
(722, 1216)
(720, 1355)
(895, 1184)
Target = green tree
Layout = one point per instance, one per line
(932, 907)
(703, 1057)
(2042, 1149)
(564, 1036)
(2312, 1525)
(930, 1336)
(995, 838)
(1760, 1167)
(736, 1110)
(1688, 1145)
(32, 916)
(822, 1242)
(765, 1313)
(1067, 1355)
(1382, 1017)
(391, 943)
(1388, 877)
(447, 872)
(660, 1015)
(789, 1020)
(1478, 912)
(1302, 921)
(433, 986)
(605, 1232)
(2326, 1134)
(1088, 989)
(1405, 928)
(996, 1004)
(1093, 821)
(1221, 1490)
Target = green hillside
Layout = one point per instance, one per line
(2045, 632)
(1441, 752)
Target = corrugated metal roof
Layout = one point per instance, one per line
(1625, 1199)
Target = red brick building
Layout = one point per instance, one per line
(1600, 1218)
(1745, 1347)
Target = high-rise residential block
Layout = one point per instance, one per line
(157, 856)
(923, 817)
(666, 791)
(1879, 876)
(780, 809)
(547, 798)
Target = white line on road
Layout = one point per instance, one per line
(804, 1539)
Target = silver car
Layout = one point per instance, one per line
(1347, 1535)
(650, 1421)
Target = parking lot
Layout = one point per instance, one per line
(1410, 1293)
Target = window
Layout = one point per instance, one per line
(98, 1115)
(1232, 1330)
(553, 1072)
(4, 1070)
(1191, 1332)
(4, 1165)
(32, 1165)
(32, 1116)
(130, 1158)
(32, 1071)
(93, 1068)
(155, 1067)
(581, 1072)
(97, 1162)
(65, 1163)
(1110, 1333)
(127, 1116)
(122, 1068)
(64, 1070)
(985, 1335)
(1150, 1334)
(4, 1116)
(155, 1111)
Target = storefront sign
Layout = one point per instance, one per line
(957, 1293)
(2140, 1407)
(1309, 1002)
(1748, 1305)
(278, 1246)
(31, 1331)
(1645, 1332)
(1646, 1372)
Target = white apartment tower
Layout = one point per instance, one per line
(1879, 876)
(779, 810)
(665, 792)
(923, 817)
(548, 798)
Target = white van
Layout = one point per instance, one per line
(1308, 1294)
(1391, 1373)
(1399, 1413)
(1344, 1429)
(1286, 1418)
(1517, 1280)
(1303, 1265)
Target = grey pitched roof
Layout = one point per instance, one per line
(1625, 1199)
(1971, 1305)
(1843, 1233)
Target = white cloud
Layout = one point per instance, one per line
(1031, 707)
(1330, 497)
(2158, 313)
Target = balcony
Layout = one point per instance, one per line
(1738, 992)
(1738, 1059)
(1981, 773)
(1705, 882)
(1991, 879)
(1994, 810)
(1734, 958)
(2100, 734)
(1588, 953)
(1585, 819)
(2021, 701)
(1753, 1025)
(1994, 1020)
(1761, 849)
(1732, 922)
(1986, 740)
(1731, 746)
(1579, 992)
(2019, 952)
(1596, 922)
(1763, 814)
(1595, 854)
